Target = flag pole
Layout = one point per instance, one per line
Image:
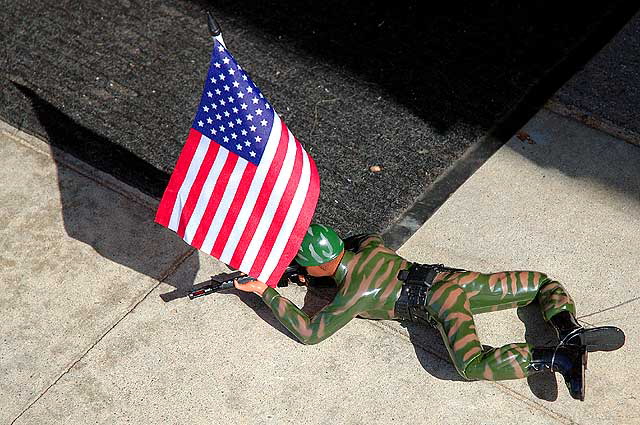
(214, 28)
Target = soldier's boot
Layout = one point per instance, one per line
(569, 360)
(601, 338)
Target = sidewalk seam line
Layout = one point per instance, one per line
(177, 263)
(531, 403)
(542, 409)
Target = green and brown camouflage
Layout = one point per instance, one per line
(456, 296)
(368, 287)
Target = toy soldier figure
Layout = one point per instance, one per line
(376, 283)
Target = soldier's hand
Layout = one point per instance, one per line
(254, 286)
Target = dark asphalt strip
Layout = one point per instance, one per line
(116, 87)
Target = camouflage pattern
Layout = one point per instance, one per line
(456, 296)
(368, 287)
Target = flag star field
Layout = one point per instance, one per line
(232, 111)
(243, 190)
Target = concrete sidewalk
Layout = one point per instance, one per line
(88, 338)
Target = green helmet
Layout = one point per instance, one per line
(320, 245)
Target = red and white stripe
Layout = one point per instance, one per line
(251, 217)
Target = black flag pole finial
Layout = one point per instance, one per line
(214, 27)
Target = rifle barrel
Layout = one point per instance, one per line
(216, 287)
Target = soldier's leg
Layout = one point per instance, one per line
(553, 298)
(496, 291)
(559, 310)
(449, 305)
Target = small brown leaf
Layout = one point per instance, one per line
(525, 137)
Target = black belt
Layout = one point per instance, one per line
(416, 282)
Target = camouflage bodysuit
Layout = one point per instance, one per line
(368, 287)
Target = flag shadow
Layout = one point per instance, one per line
(116, 227)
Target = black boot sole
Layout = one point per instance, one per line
(576, 383)
(603, 338)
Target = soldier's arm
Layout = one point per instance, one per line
(309, 330)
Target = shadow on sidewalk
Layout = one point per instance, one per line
(582, 154)
(126, 236)
(539, 334)
(426, 340)
(428, 343)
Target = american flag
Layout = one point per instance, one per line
(243, 190)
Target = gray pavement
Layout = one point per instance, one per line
(611, 77)
(567, 204)
(88, 338)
